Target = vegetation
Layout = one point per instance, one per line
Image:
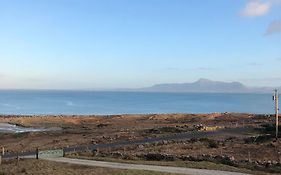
(42, 167)
(186, 164)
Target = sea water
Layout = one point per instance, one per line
(10, 128)
(22, 102)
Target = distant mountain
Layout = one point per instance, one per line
(205, 85)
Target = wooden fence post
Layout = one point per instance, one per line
(3, 151)
(37, 153)
(18, 158)
(98, 151)
(249, 156)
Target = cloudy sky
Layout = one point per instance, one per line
(82, 44)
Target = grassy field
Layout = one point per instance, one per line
(249, 142)
(42, 167)
(186, 164)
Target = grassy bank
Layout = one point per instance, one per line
(42, 167)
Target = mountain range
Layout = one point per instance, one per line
(206, 85)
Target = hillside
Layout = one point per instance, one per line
(205, 85)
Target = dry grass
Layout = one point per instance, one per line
(42, 167)
(86, 130)
(186, 164)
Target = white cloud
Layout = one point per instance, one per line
(274, 27)
(257, 8)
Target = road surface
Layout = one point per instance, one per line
(166, 169)
(179, 136)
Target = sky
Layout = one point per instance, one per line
(108, 44)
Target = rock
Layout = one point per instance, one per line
(116, 154)
(158, 157)
(232, 158)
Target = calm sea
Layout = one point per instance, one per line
(85, 102)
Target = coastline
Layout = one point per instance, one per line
(230, 135)
(87, 129)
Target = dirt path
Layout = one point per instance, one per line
(179, 170)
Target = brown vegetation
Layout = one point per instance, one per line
(253, 145)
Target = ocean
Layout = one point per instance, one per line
(27, 102)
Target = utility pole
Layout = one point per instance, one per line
(275, 98)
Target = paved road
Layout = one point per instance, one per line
(166, 169)
(179, 136)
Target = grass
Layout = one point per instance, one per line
(43, 167)
(186, 164)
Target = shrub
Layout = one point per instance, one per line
(170, 129)
(213, 144)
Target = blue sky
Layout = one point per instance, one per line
(97, 44)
